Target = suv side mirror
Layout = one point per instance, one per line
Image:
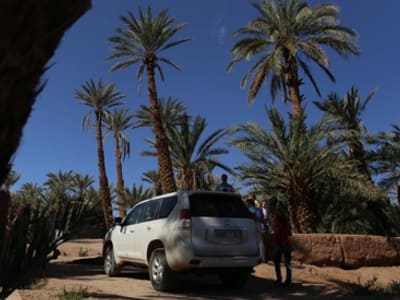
(117, 221)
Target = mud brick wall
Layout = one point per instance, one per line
(347, 251)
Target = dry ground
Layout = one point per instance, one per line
(79, 267)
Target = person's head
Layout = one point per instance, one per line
(250, 202)
(224, 178)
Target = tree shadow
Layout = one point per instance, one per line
(191, 286)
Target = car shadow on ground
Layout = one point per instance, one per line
(191, 286)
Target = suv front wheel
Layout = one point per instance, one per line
(159, 271)
(110, 267)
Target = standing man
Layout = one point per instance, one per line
(281, 230)
(224, 186)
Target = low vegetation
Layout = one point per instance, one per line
(74, 294)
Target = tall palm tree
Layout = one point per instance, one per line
(172, 112)
(192, 158)
(347, 114)
(100, 99)
(292, 164)
(142, 41)
(284, 33)
(117, 122)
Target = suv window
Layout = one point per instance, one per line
(167, 205)
(150, 211)
(134, 215)
(218, 205)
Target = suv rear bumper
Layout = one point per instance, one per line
(216, 262)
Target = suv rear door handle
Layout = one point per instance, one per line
(131, 231)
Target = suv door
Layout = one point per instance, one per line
(127, 236)
(147, 229)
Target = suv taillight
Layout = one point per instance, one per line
(185, 214)
(185, 217)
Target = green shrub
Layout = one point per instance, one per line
(74, 294)
(83, 252)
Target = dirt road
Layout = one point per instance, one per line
(80, 268)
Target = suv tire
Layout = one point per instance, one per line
(159, 271)
(110, 267)
(234, 279)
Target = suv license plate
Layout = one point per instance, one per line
(227, 233)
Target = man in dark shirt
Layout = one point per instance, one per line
(224, 186)
(281, 230)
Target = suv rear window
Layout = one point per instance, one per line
(218, 205)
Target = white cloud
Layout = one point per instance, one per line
(221, 34)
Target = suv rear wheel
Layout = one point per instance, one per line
(159, 271)
(234, 278)
(110, 267)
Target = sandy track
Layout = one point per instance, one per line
(70, 271)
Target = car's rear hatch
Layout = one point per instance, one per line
(222, 225)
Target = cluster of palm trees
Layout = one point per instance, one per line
(332, 176)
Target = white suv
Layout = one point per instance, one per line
(195, 231)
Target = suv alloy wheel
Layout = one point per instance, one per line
(110, 267)
(159, 271)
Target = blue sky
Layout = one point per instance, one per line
(54, 140)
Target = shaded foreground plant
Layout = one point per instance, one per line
(33, 237)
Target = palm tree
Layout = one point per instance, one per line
(137, 194)
(284, 33)
(33, 195)
(117, 122)
(172, 113)
(81, 185)
(153, 178)
(293, 165)
(347, 114)
(100, 99)
(192, 158)
(387, 160)
(141, 42)
(171, 110)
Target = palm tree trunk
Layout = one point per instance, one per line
(293, 83)
(103, 180)
(120, 178)
(163, 155)
(302, 216)
(357, 153)
(31, 30)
